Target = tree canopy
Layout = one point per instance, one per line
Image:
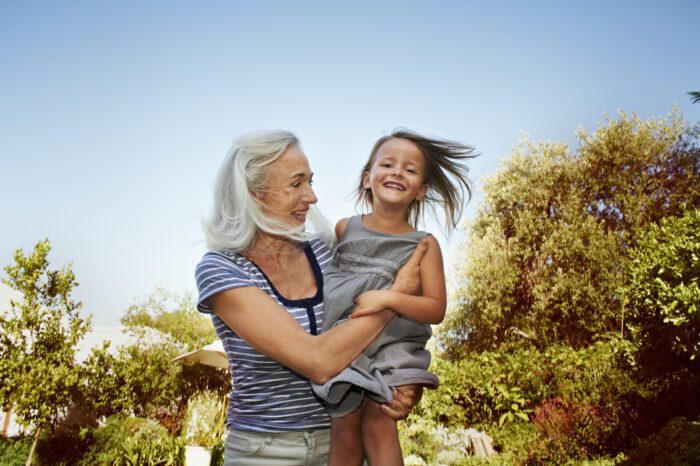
(38, 337)
(549, 245)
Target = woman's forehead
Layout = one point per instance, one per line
(292, 164)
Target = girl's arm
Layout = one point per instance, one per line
(264, 325)
(426, 309)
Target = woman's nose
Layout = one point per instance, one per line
(310, 195)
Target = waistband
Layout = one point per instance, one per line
(291, 435)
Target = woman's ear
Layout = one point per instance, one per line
(258, 195)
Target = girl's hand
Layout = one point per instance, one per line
(370, 302)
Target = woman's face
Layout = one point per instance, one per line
(288, 193)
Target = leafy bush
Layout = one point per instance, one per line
(678, 443)
(501, 388)
(217, 453)
(663, 294)
(560, 389)
(133, 441)
(63, 446)
(204, 422)
(14, 451)
(581, 430)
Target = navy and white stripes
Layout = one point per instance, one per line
(266, 396)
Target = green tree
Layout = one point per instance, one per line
(549, 245)
(38, 337)
(663, 294)
(141, 379)
(171, 314)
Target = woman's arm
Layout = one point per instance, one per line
(268, 328)
(426, 309)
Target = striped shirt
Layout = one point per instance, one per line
(266, 396)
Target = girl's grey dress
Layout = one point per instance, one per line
(368, 260)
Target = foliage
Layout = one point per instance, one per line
(428, 443)
(479, 391)
(133, 441)
(14, 451)
(141, 379)
(38, 337)
(550, 241)
(205, 420)
(174, 315)
(65, 444)
(580, 430)
(138, 380)
(217, 453)
(678, 443)
(560, 402)
(663, 293)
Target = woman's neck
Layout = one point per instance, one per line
(268, 248)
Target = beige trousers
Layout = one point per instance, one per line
(246, 448)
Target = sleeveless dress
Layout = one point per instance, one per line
(368, 260)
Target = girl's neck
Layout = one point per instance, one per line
(388, 220)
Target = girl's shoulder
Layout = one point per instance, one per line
(341, 227)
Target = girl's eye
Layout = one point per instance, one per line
(386, 165)
(411, 170)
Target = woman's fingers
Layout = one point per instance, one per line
(404, 399)
(418, 254)
(408, 277)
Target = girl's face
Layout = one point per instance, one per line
(288, 193)
(397, 173)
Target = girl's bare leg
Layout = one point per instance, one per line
(380, 436)
(346, 440)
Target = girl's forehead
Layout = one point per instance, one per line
(400, 148)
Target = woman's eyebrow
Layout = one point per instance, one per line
(300, 175)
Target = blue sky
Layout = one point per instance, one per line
(114, 116)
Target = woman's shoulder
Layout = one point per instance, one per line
(320, 250)
(220, 261)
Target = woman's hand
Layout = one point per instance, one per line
(408, 277)
(404, 399)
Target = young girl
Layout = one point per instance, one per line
(404, 173)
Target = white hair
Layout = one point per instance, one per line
(237, 217)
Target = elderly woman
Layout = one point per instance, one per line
(262, 283)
